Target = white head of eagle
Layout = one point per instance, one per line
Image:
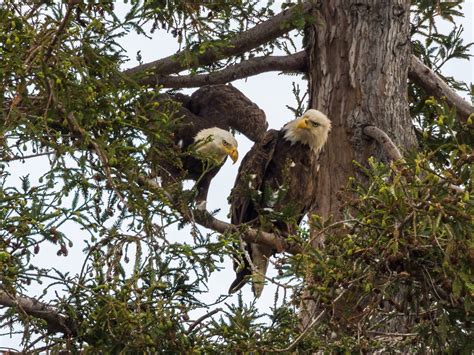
(311, 129)
(216, 143)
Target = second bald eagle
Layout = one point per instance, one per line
(276, 187)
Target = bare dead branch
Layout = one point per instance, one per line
(243, 42)
(291, 63)
(32, 307)
(394, 334)
(24, 157)
(384, 140)
(82, 134)
(434, 85)
(248, 234)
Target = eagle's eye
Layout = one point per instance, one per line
(315, 124)
(227, 144)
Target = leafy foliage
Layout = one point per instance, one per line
(67, 107)
(404, 262)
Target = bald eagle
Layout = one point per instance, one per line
(211, 145)
(276, 187)
(205, 148)
(202, 134)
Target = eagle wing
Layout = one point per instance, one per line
(284, 177)
(250, 178)
(227, 107)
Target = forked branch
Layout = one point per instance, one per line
(384, 140)
(241, 43)
(248, 234)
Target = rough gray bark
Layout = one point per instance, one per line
(358, 75)
(358, 68)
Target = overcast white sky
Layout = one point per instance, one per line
(271, 92)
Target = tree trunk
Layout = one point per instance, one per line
(359, 54)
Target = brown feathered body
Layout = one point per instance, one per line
(220, 106)
(274, 189)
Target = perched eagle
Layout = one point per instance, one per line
(211, 147)
(204, 148)
(276, 187)
(202, 133)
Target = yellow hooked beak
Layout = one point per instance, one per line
(234, 155)
(303, 123)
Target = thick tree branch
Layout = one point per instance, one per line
(32, 307)
(243, 42)
(160, 69)
(434, 85)
(248, 234)
(384, 140)
(205, 219)
(70, 7)
(291, 63)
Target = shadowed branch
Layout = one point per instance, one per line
(205, 219)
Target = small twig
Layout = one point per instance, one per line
(393, 334)
(31, 345)
(70, 6)
(325, 229)
(201, 319)
(303, 333)
(27, 156)
(78, 130)
(255, 270)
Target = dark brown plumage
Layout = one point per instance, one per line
(226, 105)
(275, 188)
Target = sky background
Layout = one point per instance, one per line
(271, 92)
